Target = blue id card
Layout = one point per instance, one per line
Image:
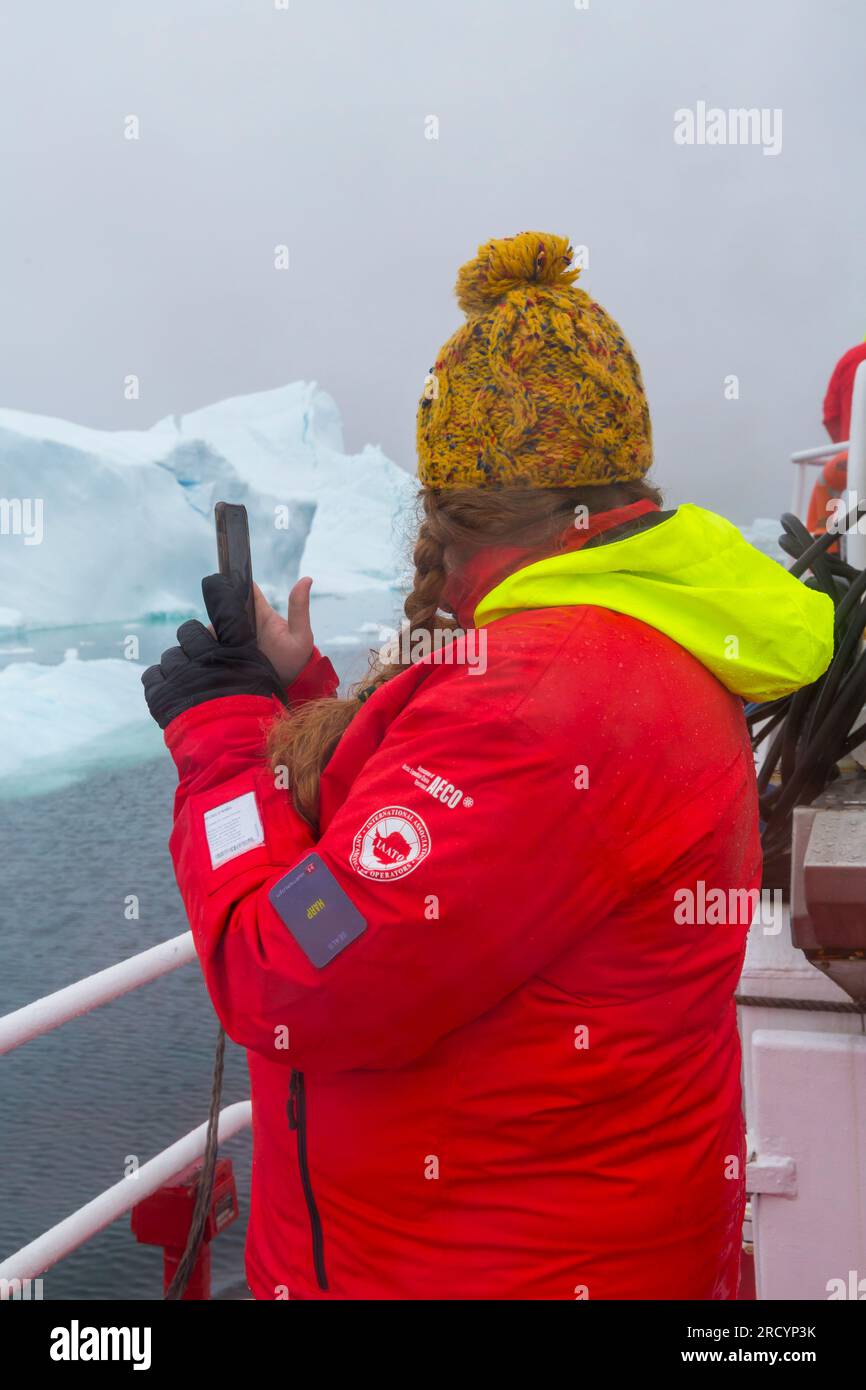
(319, 914)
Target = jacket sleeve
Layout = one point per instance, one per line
(457, 844)
(317, 679)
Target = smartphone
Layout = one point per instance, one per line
(233, 549)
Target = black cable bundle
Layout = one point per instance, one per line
(813, 729)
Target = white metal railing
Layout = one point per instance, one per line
(44, 1015)
(43, 1252)
(52, 1011)
(804, 459)
(824, 451)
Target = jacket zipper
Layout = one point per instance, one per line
(296, 1110)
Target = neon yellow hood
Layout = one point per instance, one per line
(761, 632)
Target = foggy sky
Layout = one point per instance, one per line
(306, 127)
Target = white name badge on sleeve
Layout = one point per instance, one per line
(233, 828)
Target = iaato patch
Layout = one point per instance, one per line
(390, 844)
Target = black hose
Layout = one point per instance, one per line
(795, 533)
(769, 724)
(814, 729)
(204, 1186)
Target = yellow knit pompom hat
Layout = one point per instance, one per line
(539, 387)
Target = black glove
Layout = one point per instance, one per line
(207, 667)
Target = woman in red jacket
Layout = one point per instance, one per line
(482, 950)
(833, 478)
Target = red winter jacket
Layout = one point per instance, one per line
(519, 1076)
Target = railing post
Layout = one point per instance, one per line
(855, 541)
(799, 503)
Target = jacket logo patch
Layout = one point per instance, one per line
(444, 791)
(390, 844)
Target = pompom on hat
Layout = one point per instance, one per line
(539, 386)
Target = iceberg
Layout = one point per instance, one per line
(126, 516)
(58, 722)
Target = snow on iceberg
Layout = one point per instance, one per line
(58, 721)
(127, 515)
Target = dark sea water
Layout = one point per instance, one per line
(132, 1077)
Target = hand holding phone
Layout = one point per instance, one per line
(286, 642)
